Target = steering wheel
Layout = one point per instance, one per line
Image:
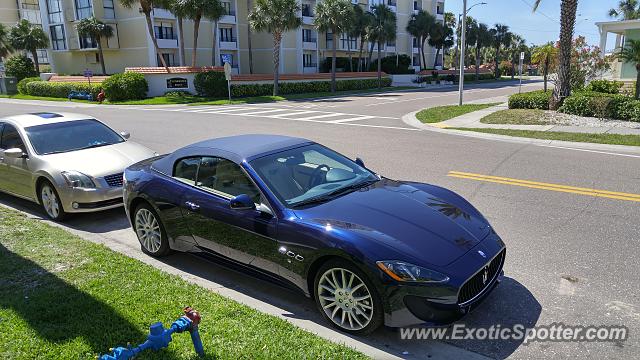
(313, 179)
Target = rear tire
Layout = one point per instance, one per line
(346, 298)
(50, 201)
(150, 231)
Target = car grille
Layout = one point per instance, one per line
(114, 180)
(475, 285)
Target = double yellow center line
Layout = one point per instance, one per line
(547, 186)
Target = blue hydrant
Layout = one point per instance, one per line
(159, 337)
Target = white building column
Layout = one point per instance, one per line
(603, 41)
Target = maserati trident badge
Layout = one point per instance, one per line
(485, 275)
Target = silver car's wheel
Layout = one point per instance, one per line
(51, 202)
(148, 230)
(345, 299)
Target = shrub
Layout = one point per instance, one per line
(178, 93)
(389, 64)
(20, 67)
(60, 89)
(342, 64)
(22, 84)
(605, 86)
(602, 105)
(125, 86)
(210, 84)
(530, 100)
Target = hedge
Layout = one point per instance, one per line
(22, 84)
(530, 100)
(602, 105)
(125, 86)
(60, 89)
(212, 84)
(605, 86)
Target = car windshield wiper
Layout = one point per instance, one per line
(93, 146)
(333, 194)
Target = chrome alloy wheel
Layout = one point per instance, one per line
(50, 201)
(148, 230)
(345, 299)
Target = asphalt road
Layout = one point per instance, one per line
(572, 258)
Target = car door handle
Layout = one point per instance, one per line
(192, 206)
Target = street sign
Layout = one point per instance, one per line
(520, 71)
(88, 74)
(522, 55)
(227, 75)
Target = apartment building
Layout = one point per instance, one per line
(11, 11)
(247, 51)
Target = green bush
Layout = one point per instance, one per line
(342, 64)
(22, 84)
(210, 84)
(125, 86)
(60, 89)
(530, 100)
(605, 86)
(20, 67)
(602, 105)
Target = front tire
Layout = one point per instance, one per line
(150, 231)
(50, 202)
(346, 298)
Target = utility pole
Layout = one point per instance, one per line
(463, 31)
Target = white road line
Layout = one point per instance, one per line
(224, 111)
(206, 108)
(264, 111)
(320, 116)
(278, 116)
(364, 117)
(587, 150)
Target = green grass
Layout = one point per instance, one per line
(516, 117)
(62, 297)
(442, 113)
(614, 139)
(30, 97)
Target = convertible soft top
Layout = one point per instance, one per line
(235, 148)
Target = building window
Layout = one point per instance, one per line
(226, 35)
(109, 10)
(57, 37)
(416, 6)
(329, 36)
(227, 8)
(87, 42)
(307, 36)
(43, 57)
(306, 10)
(440, 8)
(54, 10)
(228, 58)
(83, 9)
(169, 58)
(164, 31)
(307, 60)
(416, 60)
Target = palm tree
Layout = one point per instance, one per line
(361, 23)
(440, 37)
(545, 56)
(383, 28)
(249, 45)
(631, 54)
(562, 90)
(146, 7)
(215, 13)
(419, 26)
(28, 37)
(198, 9)
(627, 10)
(470, 36)
(180, 8)
(5, 44)
(97, 30)
(516, 46)
(275, 17)
(333, 16)
(483, 39)
(501, 37)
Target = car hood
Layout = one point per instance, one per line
(405, 219)
(100, 161)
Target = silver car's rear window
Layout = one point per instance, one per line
(68, 136)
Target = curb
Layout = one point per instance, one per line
(630, 151)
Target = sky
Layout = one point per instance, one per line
(543, 25)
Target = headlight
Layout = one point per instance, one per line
(76, 179)
(405, 272)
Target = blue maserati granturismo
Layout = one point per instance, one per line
(369, 250)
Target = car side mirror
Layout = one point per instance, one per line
(15, 153)
(359, 162)
(125, 134)
(242, 202)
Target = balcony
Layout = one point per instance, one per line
(228, 18)
(307, 20)
(162, 14)
(32, 15)
(310, 44)
(168, 43)
(310, 68)
(229, 44)
(393, 5)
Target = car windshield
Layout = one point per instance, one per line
(310, 174)
(71, 136)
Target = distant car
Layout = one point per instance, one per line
(368, 249)
(68, 163)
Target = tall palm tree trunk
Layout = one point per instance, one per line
(249, 46)
(497, 60)
(181, 31)
(435, 61)
(34, 53)
(379, 67)
(368, 64)
(424, 58)
(477, 62)
(638, 81)
(350, 54)
(333, 61)
(215, 42)
(360, 54)
(147, 15)
(545, 71)
(101, 56)
(568, 10)
(277, 40)
(196, 30)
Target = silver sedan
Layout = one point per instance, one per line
(68, 163)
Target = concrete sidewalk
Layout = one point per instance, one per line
(472, 120)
